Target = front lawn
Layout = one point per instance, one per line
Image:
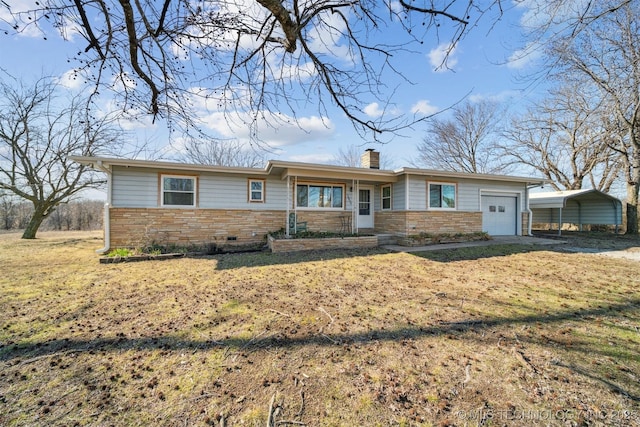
(495, 336)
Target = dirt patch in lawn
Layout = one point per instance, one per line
(519, 337)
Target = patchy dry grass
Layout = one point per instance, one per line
(500, 336)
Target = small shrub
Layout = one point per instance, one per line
(120, 252)
(281, 234)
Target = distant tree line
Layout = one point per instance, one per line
(75, 215)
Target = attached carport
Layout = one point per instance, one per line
(575, 207)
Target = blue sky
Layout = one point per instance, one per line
(478, 67)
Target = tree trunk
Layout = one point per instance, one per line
(34, 224)
(632, 208)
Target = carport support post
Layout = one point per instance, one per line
(559, 221)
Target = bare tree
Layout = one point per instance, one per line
(607, 53)
(37, 133)
(549, 22)
(76, 215)
(351, 156)
(221, 153)
(563, 138)
(257, 57)
(348, 155)
(467, 142)
(8, 210)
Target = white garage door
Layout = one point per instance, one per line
(500, 215)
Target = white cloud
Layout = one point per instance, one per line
(523, 58)
(274, 129)
(325, 39)
(30, 27)
(72, 80)
(312, 158)
(499, 97)
(442, 58)
(423, 107)
(303, 72)
(132, 119)
(17, 7)
(373, 110)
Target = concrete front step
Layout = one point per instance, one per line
(387, 239)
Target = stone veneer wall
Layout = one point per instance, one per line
(439, 222)
(319, 220)
(294, 245)
(390, 222)
(525, 223)
(405, 223)
(136, 227)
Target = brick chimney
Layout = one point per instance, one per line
(370, 159)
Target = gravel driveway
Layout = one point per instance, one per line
(603, 244)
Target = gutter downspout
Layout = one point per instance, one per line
(107, 206)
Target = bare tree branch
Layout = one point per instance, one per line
(467, 142)
(36, 138)
(245, 57)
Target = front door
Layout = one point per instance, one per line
(365, 207)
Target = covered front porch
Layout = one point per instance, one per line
(333, 199)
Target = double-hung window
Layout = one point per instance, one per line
(178, 190)
(386, 197)
(442, 195)
(319, 196)
(256, 190)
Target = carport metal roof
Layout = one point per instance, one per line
(560, 199)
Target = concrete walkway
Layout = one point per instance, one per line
(496, 240)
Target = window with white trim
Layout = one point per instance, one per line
(442, 195)
(178, 190)
(386, 197)
(256, 190)
(319, 196)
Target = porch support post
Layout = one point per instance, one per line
(353, 207)
(286, 230)
(356, 205)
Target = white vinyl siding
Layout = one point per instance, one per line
(139, 188)
(417, 192)
(398, 195)
(468, 192)
(230, 192)
(134, 188)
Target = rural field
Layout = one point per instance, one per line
(492, 336)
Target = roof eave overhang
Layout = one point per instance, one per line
(313, 171)
(560, 201)
(476, 176)
(162, 165)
